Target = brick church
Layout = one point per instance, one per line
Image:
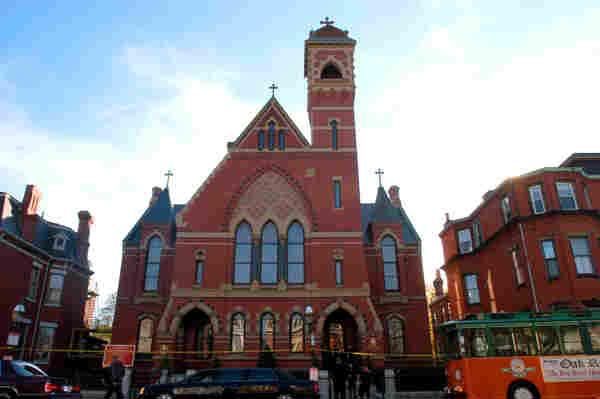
(275, 251)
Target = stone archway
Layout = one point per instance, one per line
(184, 310)
(350, 309)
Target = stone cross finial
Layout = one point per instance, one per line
(169, 174)
(327, 21)
(273, 87)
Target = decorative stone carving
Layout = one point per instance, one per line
(270, 197)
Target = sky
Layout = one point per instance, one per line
(98, 101)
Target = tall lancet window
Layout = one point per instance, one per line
(295, 254)
(269, 249)
(281, 140)
(243, 254)
(390, 268)
(261, 140)
(271, 136)
(334, 134)
(152, 264)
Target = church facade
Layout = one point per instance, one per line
(275, 251)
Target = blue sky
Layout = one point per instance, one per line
(97, 102)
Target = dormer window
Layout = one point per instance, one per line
(331, 72)
(60, 241)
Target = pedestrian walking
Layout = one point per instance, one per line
(364, 389)
(339, 378)
(115, 374)
(352, 377)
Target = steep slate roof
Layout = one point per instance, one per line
(45, 231)
(382, 211)
(161, 212)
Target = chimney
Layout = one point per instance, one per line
(155, 193)
(30, 203)
(438, 284)
(31, 200)
(83, 233)
(393, 192)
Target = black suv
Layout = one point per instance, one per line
(250, 383)
(20, 379)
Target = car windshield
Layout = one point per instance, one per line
(27, 369)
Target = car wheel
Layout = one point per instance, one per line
(523, 390)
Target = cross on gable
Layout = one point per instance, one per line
(327, 21)
(273, 87)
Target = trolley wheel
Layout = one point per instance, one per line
(523, 390)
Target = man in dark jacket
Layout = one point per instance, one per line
(116, 372)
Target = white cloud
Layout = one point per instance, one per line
(454, 129)
(186, 129)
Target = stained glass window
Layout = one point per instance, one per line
(238, 332)
(396, 335)
(243, 254)
(269, 249)
(295, 254)
(267, 332)
(390, 267)
(153, 264)
(297, 333)
(145, 336)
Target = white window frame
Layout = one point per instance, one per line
(339, 272)
(47, 301)
(532, 190)
(462, 239)
(588, 255)
(572, 192)
(474, 289)
(45, 353)
(63, 243)
(36, 268)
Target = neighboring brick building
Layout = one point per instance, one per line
(532, 245)
(276, 230)
(46, 271)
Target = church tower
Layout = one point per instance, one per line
(329, 70)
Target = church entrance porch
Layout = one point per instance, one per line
(340, 337)
(194, 343)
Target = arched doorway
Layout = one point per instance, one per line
(340, 336)
(194, 338)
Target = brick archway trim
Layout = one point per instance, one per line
(180, 314)
(351, 309)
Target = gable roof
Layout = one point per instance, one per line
(271, 105)
(382, 211)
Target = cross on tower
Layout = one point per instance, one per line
(273, 87)
(169, 174)
(379, 172)
(327, 21)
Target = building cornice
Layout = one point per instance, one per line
(500, 187)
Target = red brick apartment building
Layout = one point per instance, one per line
(532, 245)
(275, 250)
(44, 287)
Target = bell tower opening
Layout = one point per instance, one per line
(331, 72)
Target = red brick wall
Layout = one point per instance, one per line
(495, 254)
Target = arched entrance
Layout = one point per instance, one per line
(340, 336)
(194, 339)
